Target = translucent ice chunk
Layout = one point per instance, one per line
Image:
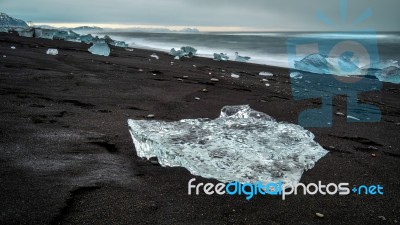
(100, 49)
(241, 145)
(26, 33)
(241, 58)
(296, 75)
(317, 63)
(268, 74)
(86, 38)
(121, 44)
(220, 57)
(235, 75)
(186, 51)
(154, 55)
(44, 33)
(389, 74)
(52, 51)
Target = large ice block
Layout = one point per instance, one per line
(241, 145)
(220, 57)
(100, 49)
(185, 51)
(26, 33)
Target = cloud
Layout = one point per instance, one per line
(259, 14)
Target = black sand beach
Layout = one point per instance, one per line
(67, 157)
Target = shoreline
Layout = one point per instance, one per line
(68, 158)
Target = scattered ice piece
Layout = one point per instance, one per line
(267, 85)
(151, 116)
(154, 55)
(140, 70)
(352, 117)
(129, 49)
(194, 66)
(13, 47)
(3, 30)
(235, 75)
(204, 90)
(197, 98)
(185, 76)
(100, 49)
(296, 75)
(154, 74)
(266, 74)
(241, 145)
(86, 38)
(185, 51)
(52, 51)
(4, 56)
(319, 215)
(265, 80)
(340, 114)
(209, 73)
(241, 58)
(214, 79)
(26, 33)
(220, 57)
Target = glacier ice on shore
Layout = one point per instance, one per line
(52, 51)
(220, 57)
(185, 51)
(100, 48)
(241, 145)
(386, 71)
(240, 58)
(26, 33)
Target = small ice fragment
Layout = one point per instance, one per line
(13, 47)
(214, 79)
(129, 49)
(267, 85)
(268, 74)
(150, 116)
(340, 114)
(265, 80)
(52, 51)
(140, 70)
(154, 55)
(194, 66)
(235, 75)
(100, 49)
(241, 58)
(4, 56)
(209, 73)
(220, 57)
(296, 75)
(197, 98)
(352, 117)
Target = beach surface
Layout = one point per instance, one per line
(67, 157)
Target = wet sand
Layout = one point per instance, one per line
(67, 157)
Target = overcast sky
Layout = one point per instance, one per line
(236, 14)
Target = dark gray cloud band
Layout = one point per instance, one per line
(258, 14)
